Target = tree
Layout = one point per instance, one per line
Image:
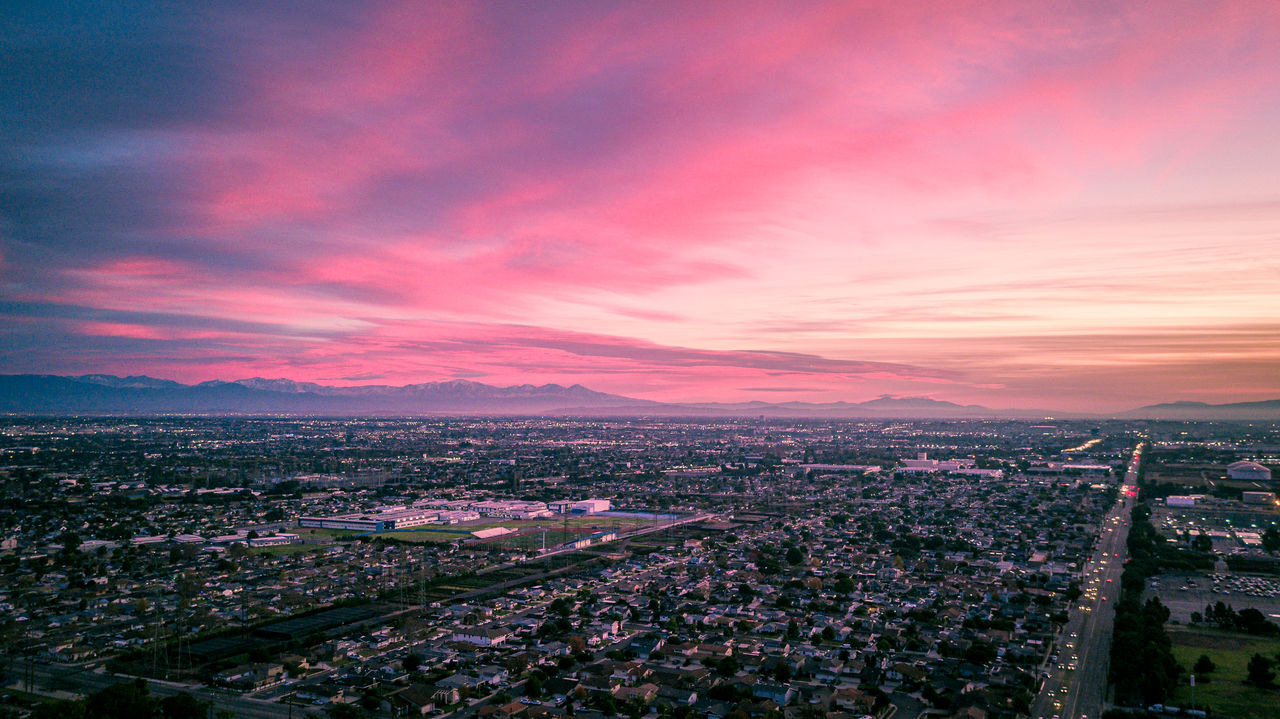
(533, 687)
(1204, 665)
(1260, 674)
(70, 542)
(59, 709)
(980, 653)
(126, 700)
(1202, 543)
(1254, 622)
(412, 661)
(727, 667)
(795, 556)
(183, 706)
(371, 699)
(1271, 539)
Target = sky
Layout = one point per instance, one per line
(1058, 205)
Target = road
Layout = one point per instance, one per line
(1076, 687)
(84, 680)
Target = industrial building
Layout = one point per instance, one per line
(512, 509)
(1258, 497)
(1248, 471)
(274, 540)
(585, 506)
(382, 519)
(923, 465)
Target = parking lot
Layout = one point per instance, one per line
(1184, 594)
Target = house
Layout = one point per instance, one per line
(443, 696)
(854, 700)
(459, 681)
(412, 701)
(773, 691)
(481, 637)
(674, 696)
(561, 688)
(644, 646)
(492, 674)
(251, 677)
(644, 692)
(506, 711)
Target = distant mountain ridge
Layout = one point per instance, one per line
(1262, 410)
(109, 394)
(106, 394)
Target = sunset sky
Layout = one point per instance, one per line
(1061, 205)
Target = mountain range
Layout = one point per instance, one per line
(109, 394)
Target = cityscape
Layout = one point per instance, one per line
(582, 359)
(532, 567)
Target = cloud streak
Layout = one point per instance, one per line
(841, 189)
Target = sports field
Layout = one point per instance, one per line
(527, 533)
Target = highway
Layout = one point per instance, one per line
(1076, 687)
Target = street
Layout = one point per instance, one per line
(87, 681)
(1076, 687)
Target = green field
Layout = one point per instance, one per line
(1226, 693)
(426, 535)
(285, 550)
(555, 530)
(313, 533)
(533, 540)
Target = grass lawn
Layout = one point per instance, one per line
(330, 533)
(426, 535)
(606, 522)
(1226, 693)
(284, 550)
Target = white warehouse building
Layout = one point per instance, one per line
(1248, 471)
(585, 506)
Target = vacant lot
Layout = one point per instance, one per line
(1226, 693)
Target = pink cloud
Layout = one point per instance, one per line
(622, 194)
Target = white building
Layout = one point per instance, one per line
(274, 540)
(923, 465)
(1248, 471)
(382, 519)
(585, 506)
(481, 637)
(512, 509)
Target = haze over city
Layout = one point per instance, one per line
(1067, 206)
